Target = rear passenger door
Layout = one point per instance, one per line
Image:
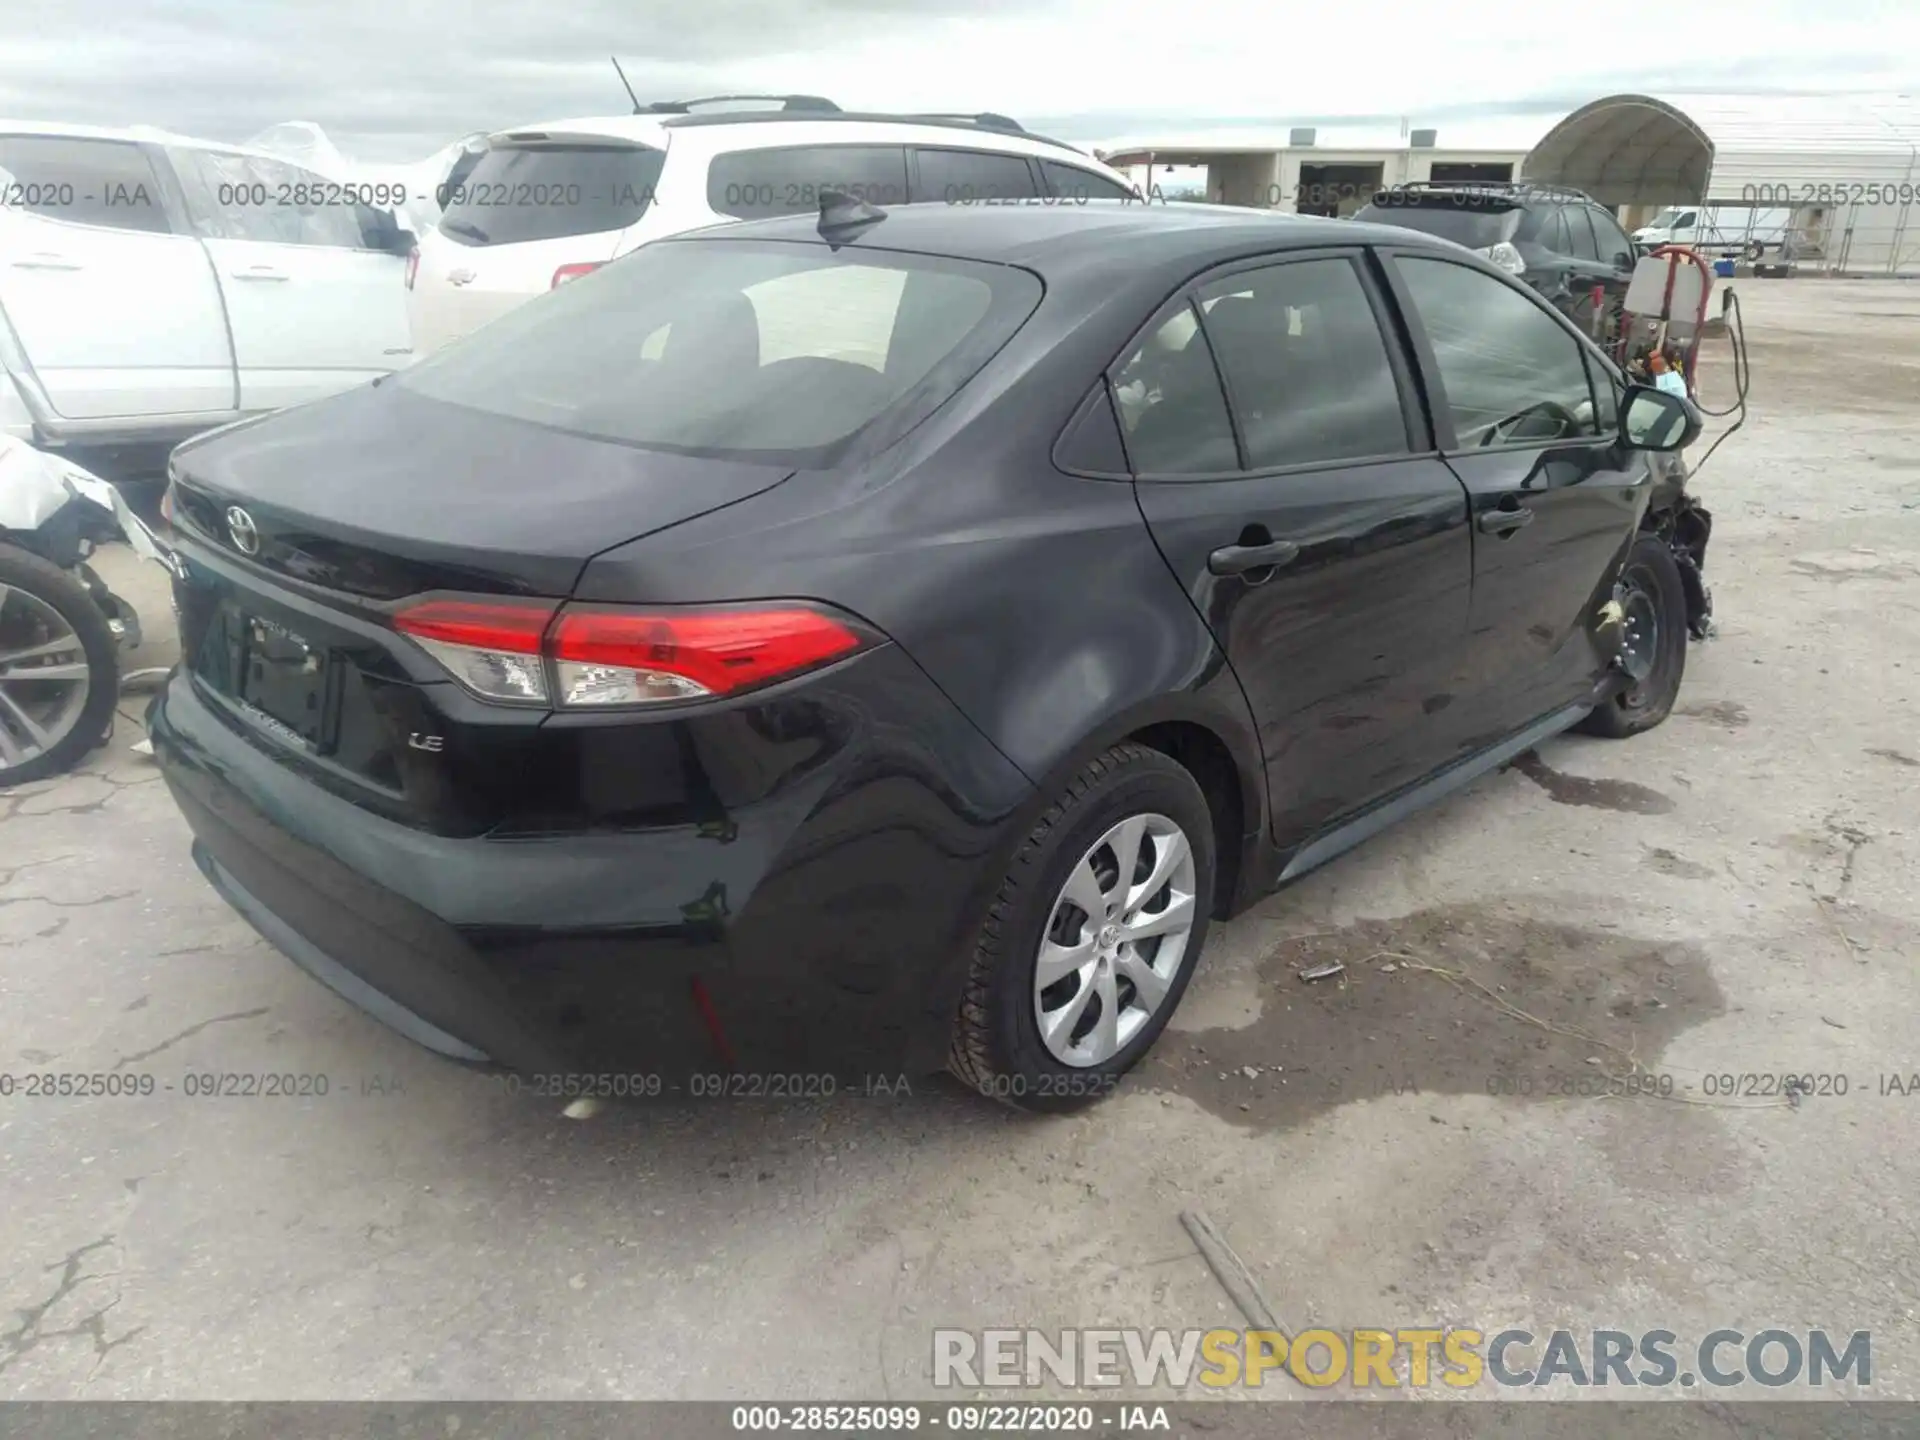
(1556, 499)
(107, 290)
(313, 305)
(1284, 469)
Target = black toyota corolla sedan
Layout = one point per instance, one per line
(853, 644)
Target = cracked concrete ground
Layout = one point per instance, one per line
(1732, 894)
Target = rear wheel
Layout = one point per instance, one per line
(59, 669)
(1092, 938)
(1654, 651)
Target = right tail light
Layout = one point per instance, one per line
(586, 657)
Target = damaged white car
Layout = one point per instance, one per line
(61, 628)
(153, 287)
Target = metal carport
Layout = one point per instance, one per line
(1847, 165)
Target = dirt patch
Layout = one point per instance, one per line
(1856, 564)
(1728, 713)
(1622, 795)
(1896, 757)
(1665, 862)
(1387, 1026)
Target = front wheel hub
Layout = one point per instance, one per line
(1640, 637)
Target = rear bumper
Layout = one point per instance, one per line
(816, 932)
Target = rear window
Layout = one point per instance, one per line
(549, 190)
(1463, 218)
(789, 352)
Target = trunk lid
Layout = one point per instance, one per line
(381, 493)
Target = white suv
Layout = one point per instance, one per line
(153, 286)
(545, 203)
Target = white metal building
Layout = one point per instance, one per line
(1329, 170)
(1847, 165)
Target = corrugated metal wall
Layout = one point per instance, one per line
(1848, 166)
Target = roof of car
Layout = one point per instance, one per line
(1098, 233)
(770, 128)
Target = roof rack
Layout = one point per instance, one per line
(999, 124)
(985, 119)
(1497, 187)
(812, 104)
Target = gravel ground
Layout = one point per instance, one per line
(1731, 894)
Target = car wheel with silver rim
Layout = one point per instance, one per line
(59, 669)
(1092, 937)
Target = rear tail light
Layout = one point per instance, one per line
(413, 265)
(574, 272)
(491, 647)
(1506, 257)
(585, 657)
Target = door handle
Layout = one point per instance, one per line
(44, 261)
(258, 272)
(1238, 559)
(1505, 521)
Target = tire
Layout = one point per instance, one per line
(998, 1046)
(1652, 575)
(54, 588)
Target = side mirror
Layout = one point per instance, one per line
(1655, 420)
(1622, 260)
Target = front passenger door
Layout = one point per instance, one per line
(1555, 497)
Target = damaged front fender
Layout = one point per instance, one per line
(1686, 526)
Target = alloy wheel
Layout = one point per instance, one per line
(44, 679)
(1115, 940)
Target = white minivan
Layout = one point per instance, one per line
(545, 203)
(1752, 230)
(154, 286)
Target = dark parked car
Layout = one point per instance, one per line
(1559, 241)
(810, 650)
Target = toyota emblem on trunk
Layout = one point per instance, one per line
(246, 535)
(460, 277)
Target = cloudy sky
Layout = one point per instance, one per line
(393, 80)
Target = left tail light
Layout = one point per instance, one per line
(589, 657)
(574, 272)
(413, 265)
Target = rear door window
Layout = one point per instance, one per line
(778, 351)
(235, 196)
(1070, 182)
(1615, 248)
(1306, 367)
(89, 182)
(1173, 413)
(752, 184)
(550, 189)
(972, 177)
(1580, 231)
